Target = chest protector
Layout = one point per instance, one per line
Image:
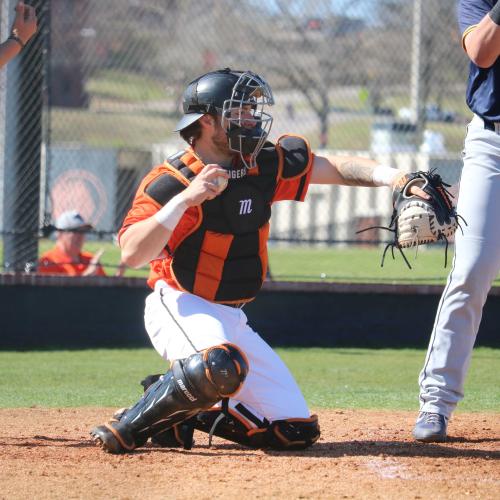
(224, 258)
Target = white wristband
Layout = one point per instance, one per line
(170, 214)
(384, 176)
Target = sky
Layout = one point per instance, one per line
(352, 8)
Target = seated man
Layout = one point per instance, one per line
(67, 256)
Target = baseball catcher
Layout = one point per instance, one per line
(416, 221)
(205, 241)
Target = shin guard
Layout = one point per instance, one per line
(236, 426)
(191, 385)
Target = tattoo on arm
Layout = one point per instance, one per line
(356, 174)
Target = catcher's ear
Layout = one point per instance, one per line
(207, 120)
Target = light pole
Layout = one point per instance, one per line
(416, 54)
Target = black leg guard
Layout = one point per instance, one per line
(289, 434)
(180, 435)
(294, 433)
(191, 385)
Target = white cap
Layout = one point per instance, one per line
(71, 221)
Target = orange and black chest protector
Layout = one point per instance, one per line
(224, 257)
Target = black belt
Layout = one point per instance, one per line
(238, 305)
(489, 125)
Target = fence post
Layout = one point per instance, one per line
(23, 139)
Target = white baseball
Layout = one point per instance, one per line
(220, 182)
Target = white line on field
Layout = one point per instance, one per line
(388, 468)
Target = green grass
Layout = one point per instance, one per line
(333, 264)
(359, 265)
(386, 378)
(329, 378)
(138, 128)
(453, 134)
(356, 265)
(107, 129)
(355, 134)
(351, 135)
(124, 86)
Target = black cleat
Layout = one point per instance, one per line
(110, 439)
(179, 436)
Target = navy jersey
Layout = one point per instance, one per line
(483, 88)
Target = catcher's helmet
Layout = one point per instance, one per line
(238, 97)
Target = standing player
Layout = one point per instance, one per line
(477, 251)
(201, 220)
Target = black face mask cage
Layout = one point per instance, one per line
(246, 123)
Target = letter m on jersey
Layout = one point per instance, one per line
(245, 206)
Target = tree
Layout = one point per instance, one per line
(310, 46)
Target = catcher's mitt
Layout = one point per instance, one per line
(416, 221)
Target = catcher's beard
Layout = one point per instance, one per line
(220, 142)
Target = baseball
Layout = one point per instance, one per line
(221, 183)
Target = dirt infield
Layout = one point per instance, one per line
(47, 453)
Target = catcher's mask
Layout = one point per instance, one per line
(239, 99)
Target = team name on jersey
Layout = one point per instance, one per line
(237, 174)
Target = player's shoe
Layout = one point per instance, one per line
(178, 436)
(430, 427)
(114, 438)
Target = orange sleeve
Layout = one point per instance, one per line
(293, 189)
(143, 205)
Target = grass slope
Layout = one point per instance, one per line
(329, 378)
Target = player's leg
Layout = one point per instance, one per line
(180, 435)
(476, 264)
(269, 411)
(180, 323)
(191, 385)
(241, 424)
(191, 333)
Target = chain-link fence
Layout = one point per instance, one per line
(89, 106)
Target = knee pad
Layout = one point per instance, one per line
(216, 373)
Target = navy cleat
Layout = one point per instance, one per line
(430, 427)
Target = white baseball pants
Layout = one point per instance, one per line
(475, 266)
(179, 324)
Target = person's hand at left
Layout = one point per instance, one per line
(94, 264)
(25, 22)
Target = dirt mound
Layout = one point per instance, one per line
(47, 453)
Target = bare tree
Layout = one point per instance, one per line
(310, 46)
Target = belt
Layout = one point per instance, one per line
(238, 305)
(493, 126)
